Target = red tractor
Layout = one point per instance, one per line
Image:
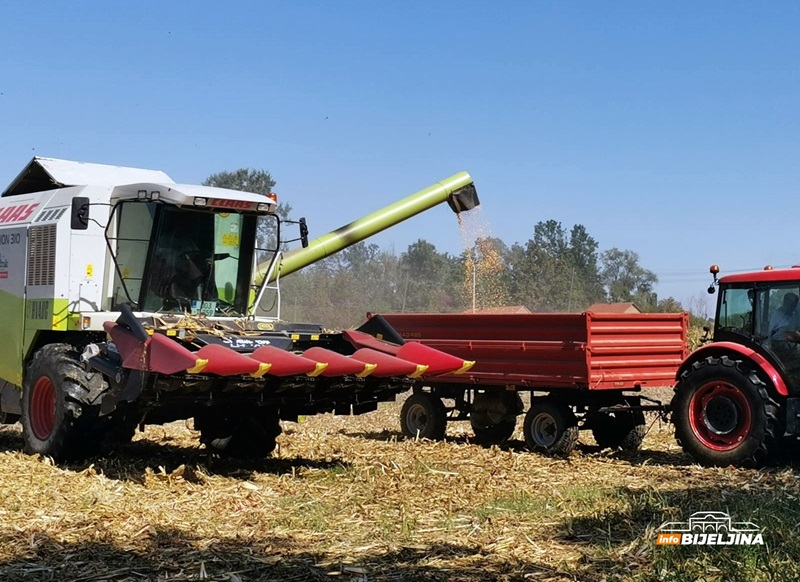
(736, 399)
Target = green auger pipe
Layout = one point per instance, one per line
(458, 191)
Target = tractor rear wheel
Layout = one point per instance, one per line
(723, 413)
(623, 428)
(59, 419)
(550, 427)
(423, 416)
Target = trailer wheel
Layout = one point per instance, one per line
(551, 428)
(57, 417)
(624, 429)
(423, 416)
(494, 434)
(723, 413)
(494, 417)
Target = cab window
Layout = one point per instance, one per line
(736, 310)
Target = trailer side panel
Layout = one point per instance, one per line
(555, 350)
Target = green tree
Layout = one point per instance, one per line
(428, 280)
(585, 286)
(669, 305)
(554, 271)
(626, 280)
(339, 290)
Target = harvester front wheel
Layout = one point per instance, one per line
(56, 418)
(423, 416)
(550, 427)
(723, 413)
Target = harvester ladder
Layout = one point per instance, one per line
(274, 286)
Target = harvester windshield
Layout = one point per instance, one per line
(179, 260)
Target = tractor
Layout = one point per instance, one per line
(736, 397)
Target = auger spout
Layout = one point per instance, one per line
(457, 190)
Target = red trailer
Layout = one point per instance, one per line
(582, 370)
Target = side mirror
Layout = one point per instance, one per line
(80, 213)
(303, 232)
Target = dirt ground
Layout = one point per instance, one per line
(346, 498)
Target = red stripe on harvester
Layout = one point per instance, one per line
(387, 365)
(131, 349)
(168, 356)
(359, 339)
(283, 363)
(226, 362)
(338, 365)
(437, 362)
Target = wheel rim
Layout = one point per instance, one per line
(544, 430)
(720, 415)
(43, 408)
(417, 418)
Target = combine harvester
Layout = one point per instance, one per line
(127, 299)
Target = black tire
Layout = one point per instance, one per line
(493, 416)
(250, 435)
(8, 417)
(423, 416)
(623, 429)
(723, 413)
(122, 425)
(550, 428)
(59, 414)
(494, 434)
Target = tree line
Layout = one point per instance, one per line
(552, 271)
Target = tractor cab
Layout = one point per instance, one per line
(760, 310)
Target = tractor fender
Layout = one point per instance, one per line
(725, 348)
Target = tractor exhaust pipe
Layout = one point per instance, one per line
(458, 191)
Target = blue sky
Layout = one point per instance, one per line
(658, 126)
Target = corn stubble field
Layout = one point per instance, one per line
(345, 498)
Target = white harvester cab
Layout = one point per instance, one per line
(78, 240)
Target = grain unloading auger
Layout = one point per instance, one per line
(127, 299)
(457, 190)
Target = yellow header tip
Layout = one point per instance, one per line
(466, 367)
(421, 369)
(320, 367)
(198, 367)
